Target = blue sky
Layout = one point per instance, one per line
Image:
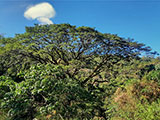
(138, 19)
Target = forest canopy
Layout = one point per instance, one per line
(77, 47)
(66, 72)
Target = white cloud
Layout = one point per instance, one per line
(41, 12)
(44, 20)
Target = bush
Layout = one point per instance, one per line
(154, 75)
(47, 90)
(137, 100)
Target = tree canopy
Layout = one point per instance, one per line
(76, 47)
(66, 72)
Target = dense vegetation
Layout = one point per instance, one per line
(66, 72)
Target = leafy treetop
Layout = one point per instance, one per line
(76, 47)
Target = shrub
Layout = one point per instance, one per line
(138, 100)
(47, 90)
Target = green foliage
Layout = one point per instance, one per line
(145, 111)
(154, 75)
(48, 89)
(6, 85)
(138, 99)
(157, 67)
(148, 111)
(65, 44)
(62, 71)
(3, 115)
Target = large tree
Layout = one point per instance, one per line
(82, 49)
(62, 67)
